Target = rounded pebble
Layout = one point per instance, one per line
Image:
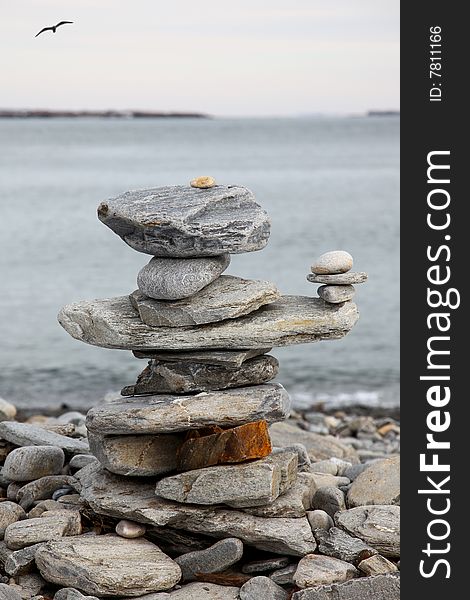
(205, 182)
(331, 263)
(7, 410)
(130, 529)
(334, 294)
(33, 462)
(319, 519)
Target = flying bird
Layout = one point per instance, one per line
(53, 28)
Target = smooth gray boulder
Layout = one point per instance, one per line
(176, 278)
(253, 483)
(107, 565)
(379, 483)
(227, 297)
(215, 559)
(114, 323)
(8, 593)
(319, 519)
(180, 378)
(136, 501)
(50, 526)
(330, 499)
(337, 543)
(136, 455)
(33, 462)
(25, 434)
(230, 359)
(336, 293)
(183, 221)
(169, 413)
(383, 587)
(378, 526)
(339, 279)
(315, 569)
(260, 587)
(331, 263)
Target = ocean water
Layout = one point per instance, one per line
(327, 183)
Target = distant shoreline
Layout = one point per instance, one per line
(102, 114)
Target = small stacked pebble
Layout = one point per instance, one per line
(190, 485)
(333, 269)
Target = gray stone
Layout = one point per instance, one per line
(227, 297)
(331, 263)
(339, 544)
(352, 471)
(125, 498)
(339, 279)
(254, 483)
(334, 294)
(176, 278)
(7, 592)
(215, 559)
(81, 460)
(383, 587)
(136, 455)
(114, 323)
(262, 587)
(305, 463)
(30, 585)
(12, 490)
(325, 466)
(7, 410)
(378, 484)
(41, 507)
(184, 377)
(169, 414)
(284, 576)
(33, 462)
(378, 526)
(323, 480)
(182, 221)
(10, 512)
(319, 519)
(50, 526)
(377, 565)
(230, 359)
(292, 504)
(198, 591)
(44, 488)
(24, 434)
(61, 492)
(266, 565)
(107, 565)
(130, 530)
(315, 569)
(21, 561)
(319, 447)
(72, 594)
(330, 499)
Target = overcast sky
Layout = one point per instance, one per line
(240, 57)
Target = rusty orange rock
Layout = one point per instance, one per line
(213, 445)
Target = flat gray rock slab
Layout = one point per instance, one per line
(336, 293)
(50, 526)
(136, 456)
(337, 543)
(8, 593)
(262, 587)
(377, 565)
(183, 221)
(198, 591)
(72, 594)
(379, 483)
(215, 559)
(114, 323)
(339, 279)
(24, 434)
(179, 378)
(169, 414)
(319, 447)
(382, 587)
(293, 503)
(176, 278)
(43, 488)
(266, 565)
(315, 569)
(230, 359)
(21, 561)
(107, 565)
(227, 297)
(125, 498)
(254, 483)
(378, 526)
(10, 512)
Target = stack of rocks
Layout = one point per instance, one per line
(332, 269)
(195, 425)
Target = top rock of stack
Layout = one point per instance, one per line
(332, 263)
(183, 221)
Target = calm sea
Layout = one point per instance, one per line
(327, 183)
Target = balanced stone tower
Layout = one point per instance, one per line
(195, 425)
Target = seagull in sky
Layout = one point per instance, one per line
(53, 28)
